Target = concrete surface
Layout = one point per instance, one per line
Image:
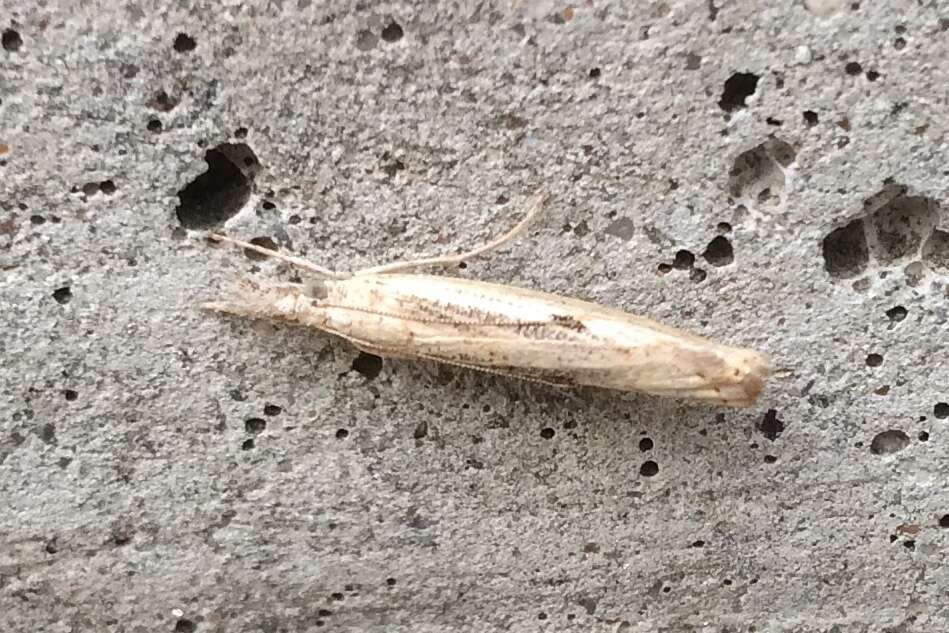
(775, 177)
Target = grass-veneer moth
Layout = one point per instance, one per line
(500, 329)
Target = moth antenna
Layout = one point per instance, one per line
(533, 208)
(299, 262)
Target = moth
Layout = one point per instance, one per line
(505, 330)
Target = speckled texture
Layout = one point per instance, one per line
(163, 469)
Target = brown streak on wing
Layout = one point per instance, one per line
(530, 329)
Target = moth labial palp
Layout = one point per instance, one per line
(502, 329)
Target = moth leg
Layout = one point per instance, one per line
(501, 372)
(299, 262)
(532, 208)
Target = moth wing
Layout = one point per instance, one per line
(543, 376)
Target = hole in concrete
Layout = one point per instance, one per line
(185, 625)
(70, 395)
(247, 445)
(255, 425)
(923, 436)
(770, 426)
(853, 68)
(719, 251)
(896, 314)
(240, 133)
(872, 75)
(941, 410)
(547, 433)
(874, 360)
(393, 32)
(421, 430)
(759, 173)
(645, 444)
(162, 102)
(62, 295)
(184, 43)
(683, 260)
(737, 89)
(218, 194)
(107, 187)
(936, 251)
(944, 521)
(663, 269)
(697, 275)
(770, 459)
(390, 582)
(264, 242)
(649, 469)
(369, 365)
(811, 118)
(845, 251)
(594, 73)
(889, 442)
(272, 410)
(342, 434)
(154, 125)
(47, 433)
(11, 40)
(899, 227)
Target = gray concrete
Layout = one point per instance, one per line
(420, 498)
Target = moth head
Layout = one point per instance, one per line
(256, 298)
